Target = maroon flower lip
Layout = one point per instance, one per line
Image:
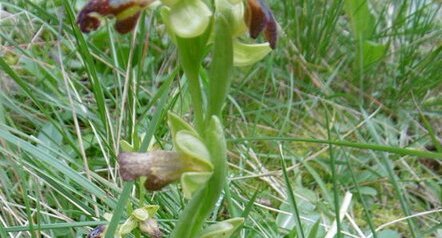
(89, 17)
(259, 18)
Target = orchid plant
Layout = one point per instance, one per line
(199, 160)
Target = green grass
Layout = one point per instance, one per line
(350, 101)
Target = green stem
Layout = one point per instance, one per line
(221, 70)
(124, 196)
(190, 53)
(197, 99)
(201, 205)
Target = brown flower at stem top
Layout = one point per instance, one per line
(126, 13)
(259, 17)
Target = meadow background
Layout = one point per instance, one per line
(349, 102)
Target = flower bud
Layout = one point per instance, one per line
(151, 228)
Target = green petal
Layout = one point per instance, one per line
(189, 18)
(223, 229)
(237, 10)
(248, 54)
(193, 181)
(151, 209)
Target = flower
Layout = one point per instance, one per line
(144, 219)
(190, 163)
(255, 17)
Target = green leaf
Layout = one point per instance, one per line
(306, 209)
(50, 137)
(314, 230)
(362, 21)
(371, 52)
(368, 191)
(388, 234)
(223, 229)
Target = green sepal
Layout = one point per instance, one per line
(223, 229)
(165, 16)
(135, 146)
(248, 54)
(130, 224)
(193, 181)
(198, 157)
(189, 18)
(145, 212)
(126, 146)
(234, 11)
(176, 124)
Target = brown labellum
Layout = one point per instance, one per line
(88, 18)
(127, 25)
(126, 13)
(259, 17)
(159, 167)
